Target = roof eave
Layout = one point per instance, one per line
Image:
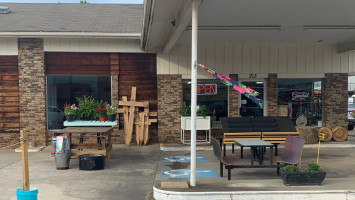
(71, 35)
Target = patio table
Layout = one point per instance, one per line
(102, 134)
(257, 149)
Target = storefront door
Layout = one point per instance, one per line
(247, 106)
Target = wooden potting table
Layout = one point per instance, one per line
(91, 140)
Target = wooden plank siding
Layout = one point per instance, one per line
(9, 95)
(138, 70)
(78, 63)
(287, 60)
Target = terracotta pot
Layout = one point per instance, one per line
(103, 118)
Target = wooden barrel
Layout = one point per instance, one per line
(340, 134)
(328, 133)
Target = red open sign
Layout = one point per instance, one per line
(206, 89)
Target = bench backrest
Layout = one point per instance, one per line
(277, 137)
(229, 138)
(293, 149)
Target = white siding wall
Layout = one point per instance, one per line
(8, 46)
(288, 60)
(91, 45)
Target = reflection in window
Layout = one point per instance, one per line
(217, 104)
(64, 89)
(297, 97)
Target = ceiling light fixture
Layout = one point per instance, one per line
(328, 27)
(239, 28)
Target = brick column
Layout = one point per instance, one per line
(169, 104)
(32, 88)
(335, 98)
(272, 96)
(233, 101)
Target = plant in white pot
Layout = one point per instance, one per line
(203, 122)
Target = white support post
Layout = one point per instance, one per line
(193, 91)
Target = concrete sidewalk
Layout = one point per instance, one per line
(129, 174)
(336, 158)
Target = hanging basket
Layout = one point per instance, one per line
(340, 134)
(328, 133)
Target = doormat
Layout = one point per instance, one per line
(185, 173)
(183, 159)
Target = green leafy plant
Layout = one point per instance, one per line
(111, 110)
(70, 109)
(291, 169)
(313, 167)
(86, 107)
(202, 111)
(185, 111)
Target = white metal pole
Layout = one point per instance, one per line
(193, 91)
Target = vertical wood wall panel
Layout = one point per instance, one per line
(165, 64)
(289, 60)
(228, 59)
(301, 58)
(328, 60)
(238, 59)
(264, 58)
(255, 62)
(174, 62)
(182, 60)
(220, 58)
(335, 60)
(246, 58)
(318, 59)
(309, 59)
(282, 59)
(344, 62)
(274, 61)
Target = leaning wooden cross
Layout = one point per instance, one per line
(132, 116)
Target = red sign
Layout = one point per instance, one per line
(206, 89)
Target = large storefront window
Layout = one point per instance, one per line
(217, 104)
(297, 97)
(64, 89)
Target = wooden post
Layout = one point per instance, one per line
(25, 172)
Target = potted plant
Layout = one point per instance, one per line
(111, 112)
(203, 122)
(70, 112)
(102, 110)
(86, 107)
(294, 176)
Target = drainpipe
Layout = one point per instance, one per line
(193, 91)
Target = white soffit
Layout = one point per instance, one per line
(291, 15)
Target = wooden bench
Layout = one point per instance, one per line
(229, 138)
(277, 138)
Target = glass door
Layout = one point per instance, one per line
(247, 106)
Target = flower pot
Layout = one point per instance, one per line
(302, 178)
(62, 160)
(103, 118)
(111, 118)
(70, 118)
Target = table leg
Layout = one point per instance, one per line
(271, 154)
(252, 149)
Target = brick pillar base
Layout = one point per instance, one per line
(32, 88)
(169, 104)
(233, 101)
(335, 98)
(272, 95)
